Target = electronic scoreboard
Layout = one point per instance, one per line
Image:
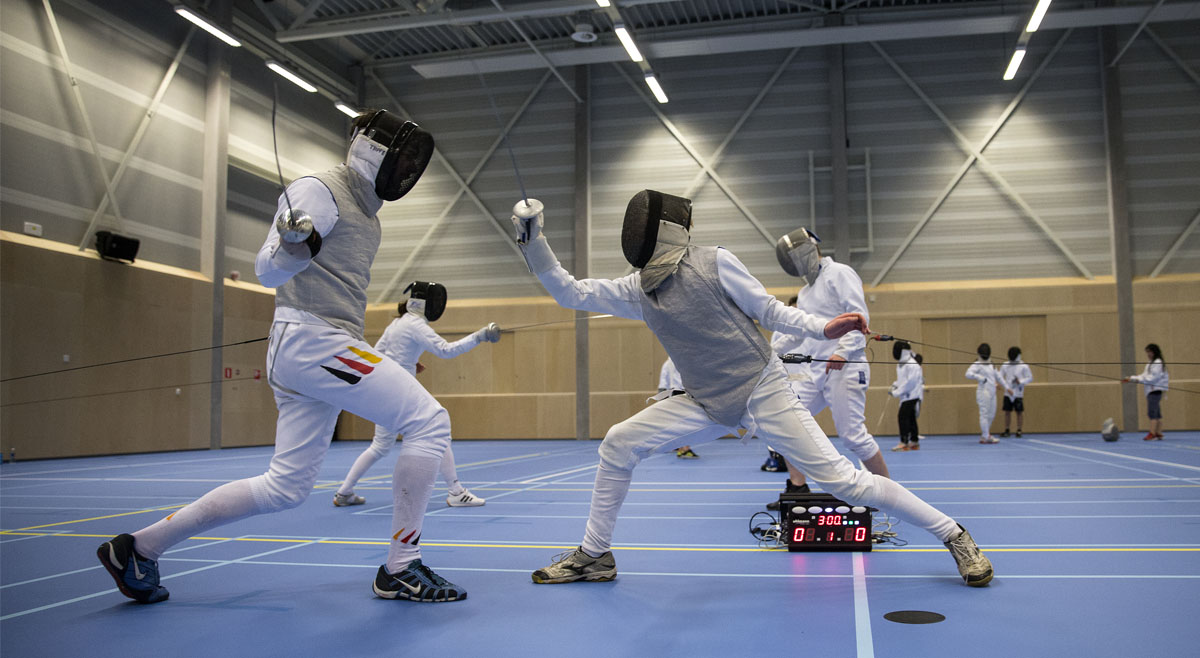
(820, 522)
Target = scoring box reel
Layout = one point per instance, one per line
(820, 522)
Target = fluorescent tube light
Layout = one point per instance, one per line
(1039, 13)
(207, 26)
(652, 82)
(346, 109)
(627, 41)
(604, 3)
(1018, 55)
(299, 81)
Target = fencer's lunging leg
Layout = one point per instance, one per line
(412, 485)
(303, 432)
(381, 444)
(661, 427)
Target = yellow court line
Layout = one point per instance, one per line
(692, 549)
(95, 518)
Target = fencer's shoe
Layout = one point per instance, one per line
(973, 565)
(1005, 433)
(989, 439)
(1018, 434)
(465, 499)
(1158, 437)
(416, 582)
(900, 447)
(576, 565)
(790, 488)
(346, 500)
(774, 463)
(914, 446)
(136, 576)
(686, 453)
(1152, 437)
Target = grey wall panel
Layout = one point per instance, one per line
(1051, 152)
(1161, 112)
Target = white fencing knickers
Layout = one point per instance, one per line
(986, 399)
(316, 371)
(774, 413)
(845, 393)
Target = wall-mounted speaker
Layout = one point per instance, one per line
(116, 247)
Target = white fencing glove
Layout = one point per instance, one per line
(528, 218)
(491, 333)
(295, 229)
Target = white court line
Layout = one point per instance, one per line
(561, 473)
(1116, 454)
(906, 482)
(175, 575)
(862, 612)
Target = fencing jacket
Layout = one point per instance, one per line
(909, 382)
(837, 290)
(1154, 377)
(1015, 370)
(330, 288)
(983, 372)
(409, 336)
(703, 314)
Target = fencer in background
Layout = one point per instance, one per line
(702, 303)
(1156, 380)
(404, 341)
(984, 372)
(839, 375)
(669, 384)
(317, 255)
(908, 389)
(1014, 375)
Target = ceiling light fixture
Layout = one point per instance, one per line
(299, 81)
(627, 41)
(655, 87)
(208, 26)
(346, 109)
(1039, 13)
(1014, 64)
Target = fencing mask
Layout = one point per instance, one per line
(399, 150)
(646, 209)
(984, 351)
(428, 299)
(898, 348)
(798, 254)
(1109, 431)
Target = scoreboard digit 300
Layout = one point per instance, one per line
(820, 522)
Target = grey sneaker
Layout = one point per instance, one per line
(346, 500)
(577, 565)
(973, 565)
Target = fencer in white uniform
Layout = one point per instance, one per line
(702, 304)
(839, 375)
(318, 256)
(909, 389)
(1014, 376)
(404, 341)
(984, 372)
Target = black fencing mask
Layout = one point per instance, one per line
(646, 209)
(984, 351)
(428, 299)
(407, 151)
(898, 347)
(1013, 353)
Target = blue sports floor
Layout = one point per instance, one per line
(1096, 548)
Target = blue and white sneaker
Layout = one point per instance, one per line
(774, 463)
(416, 582)
(136, 576)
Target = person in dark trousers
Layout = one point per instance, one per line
(1156, 381)
(908, 389)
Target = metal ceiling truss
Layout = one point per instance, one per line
(464, 185)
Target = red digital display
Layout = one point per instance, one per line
(802, 534)
(829, 520)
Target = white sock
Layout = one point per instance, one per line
(611, 488)
(412, 485)
(450, 473)
(894, 498)
(225, 504)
